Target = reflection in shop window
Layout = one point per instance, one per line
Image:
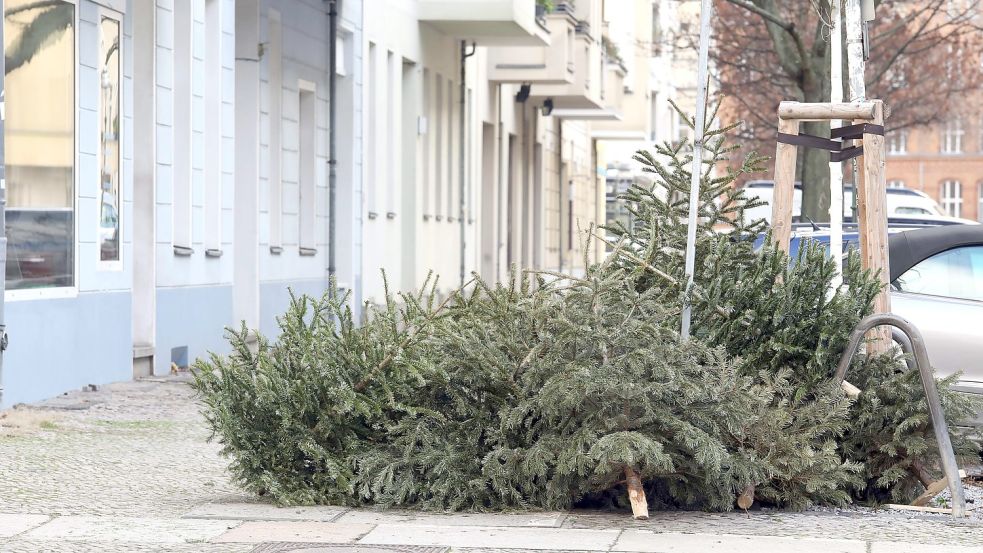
(109, 106)
(39, 38)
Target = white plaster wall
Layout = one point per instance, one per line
(304, 56)
(197, 269)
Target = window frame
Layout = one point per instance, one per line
(58, 292)
(115, 265)
(979, 201)
(897, 143)
(307, 210)
(956, 200)
(952, 137)
(274, 56)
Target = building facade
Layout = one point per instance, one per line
(945, 161)
(168, 161)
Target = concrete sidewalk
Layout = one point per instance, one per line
(128, 468)
(261, 528)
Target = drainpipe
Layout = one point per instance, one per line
(334, 6)
(462, 153)
(3, 216)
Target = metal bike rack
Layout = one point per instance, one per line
(917, 344)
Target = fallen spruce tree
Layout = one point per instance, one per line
(550, 390)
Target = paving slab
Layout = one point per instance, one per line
(13, 524)
(907, 547)
(492, 537)
(416, 518)
(261, 531)
(129, 529)
(334, 548)
(655, 542)
(263, 511)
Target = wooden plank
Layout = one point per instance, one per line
(864, 111)
(933, 489)
(943, 510)
(872, 214)
(781, 202)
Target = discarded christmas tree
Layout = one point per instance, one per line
(550, 391)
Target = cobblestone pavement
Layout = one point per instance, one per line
(129, 468)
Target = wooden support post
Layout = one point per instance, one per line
(784, 191)
(825, 111)
(872, 215)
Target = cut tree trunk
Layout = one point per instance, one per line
(746, 499)
(636, 495)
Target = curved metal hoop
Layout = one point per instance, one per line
(917, 346)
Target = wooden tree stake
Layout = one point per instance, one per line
(636, 495)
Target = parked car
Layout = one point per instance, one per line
(936, 277)
(937, 284)
(903, 204)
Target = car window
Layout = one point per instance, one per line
(956, 273)
(908, 210)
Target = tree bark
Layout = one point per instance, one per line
(815, 175)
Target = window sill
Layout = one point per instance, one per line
(183, 251)
(213, 252)
(41, 294)
(276, 250)
(308, 252)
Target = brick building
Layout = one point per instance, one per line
(944, 160)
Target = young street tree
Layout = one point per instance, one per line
(924, 64)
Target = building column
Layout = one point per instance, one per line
(245, 287)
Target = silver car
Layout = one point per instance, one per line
(937, 284)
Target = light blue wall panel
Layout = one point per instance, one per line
(194, 317)
(58, 345)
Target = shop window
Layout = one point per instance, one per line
(39, 150)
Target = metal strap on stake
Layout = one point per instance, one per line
(946, 454)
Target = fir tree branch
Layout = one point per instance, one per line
(410, 336)
(620, 251)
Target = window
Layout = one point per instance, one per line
(952, 197)
(956, 273)
(392, 96)
(952, 136)
(980, 136)
(423, 129)
(372, 135)
(439, 139)
(109, 143)
(450, 152)
(910, 210)
(979, 204)
(308, 167)
(183, 136)
(40, 143)
(213, 128)
(895, 183)
(274, 55)
(897, 142)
